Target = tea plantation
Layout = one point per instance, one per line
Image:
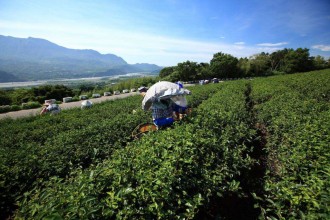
(251, 149)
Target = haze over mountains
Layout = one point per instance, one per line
(23, 59)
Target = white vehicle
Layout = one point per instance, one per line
(116, 92)
(125, 91)
(83, 97)
(67, 99)
(107, 93)
(96, 95)
(52, 101)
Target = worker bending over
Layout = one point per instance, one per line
(50, 108)
(162, 112)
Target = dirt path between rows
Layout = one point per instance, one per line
(34, 112)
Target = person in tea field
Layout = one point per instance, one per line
(166, 101)
(180, 107)
(50, 108)
(180, 104)
(162, 112)
(165, 112)
(86, 104)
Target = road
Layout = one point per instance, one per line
(34, 112)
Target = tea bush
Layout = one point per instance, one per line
(40, 147)
(250, 149)
(297, 116)
(173, 173)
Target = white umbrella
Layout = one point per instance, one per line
(164, 90)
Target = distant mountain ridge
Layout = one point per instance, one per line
(35, 59)
(6, 77)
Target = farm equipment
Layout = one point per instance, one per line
(143, 129)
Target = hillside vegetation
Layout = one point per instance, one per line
(225, 66)
(251, 148)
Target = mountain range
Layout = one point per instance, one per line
(23, 59)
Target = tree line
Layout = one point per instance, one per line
(224, 65)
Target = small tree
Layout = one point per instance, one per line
(297, 61)
(260, 64)
(203, 71)
(166, 71)
(20, 96)
(244, 66)
(277, 59)
(223, 66)
(4, 98)
(319, 62)
(187, 70)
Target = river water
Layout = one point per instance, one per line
(70, 81)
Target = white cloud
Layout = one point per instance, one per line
(272, 44)
(239, 43)
(268, 49)
(321, 47)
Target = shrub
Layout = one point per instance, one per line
(5, 108)
(31, 105)
(15, 108)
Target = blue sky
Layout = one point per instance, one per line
(167, 32)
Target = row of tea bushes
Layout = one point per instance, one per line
(296, 111)
(181, 172)
(40, 147)
(34, 149)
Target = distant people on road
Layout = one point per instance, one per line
(86, 104)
